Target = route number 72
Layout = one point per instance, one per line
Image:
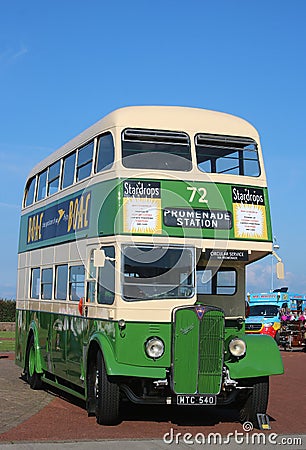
(202, 192)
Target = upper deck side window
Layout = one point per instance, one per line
(42, 185)
(227, 155)
(68, 170)
(84, 164)
(105, 152)
(30, 192)
(156, 149)
(53, 178)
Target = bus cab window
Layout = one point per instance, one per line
(213, 282)
(156, 273)
(105, 154)
(76, 282)
(106, 280)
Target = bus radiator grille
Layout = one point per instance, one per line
(197, 350)
(211, 349)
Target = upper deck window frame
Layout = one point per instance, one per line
(41, 190)
(227, 155)
(135, 156)
(71, 180)
(30, 191)
(102, 165)
(84, 161)
(54, 178)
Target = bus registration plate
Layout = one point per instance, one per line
(204, 400)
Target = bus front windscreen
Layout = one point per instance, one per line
(264, 310)
(151, 272)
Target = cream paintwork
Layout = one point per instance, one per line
(147, 311)
(182, 119)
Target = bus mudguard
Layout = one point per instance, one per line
(38, 360)
(262, 358)
(114, 368)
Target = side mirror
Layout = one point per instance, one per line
(280, 271)
(99, 258)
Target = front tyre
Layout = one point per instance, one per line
(107, 395)
(255, 401)
(277, 338)
(32, 377)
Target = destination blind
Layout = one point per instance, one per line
(197, 218)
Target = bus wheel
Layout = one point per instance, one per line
(32, 377)
(256, 400)
(277, 338)
(107, 395)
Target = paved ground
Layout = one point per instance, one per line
(29, 416)
(18, 402)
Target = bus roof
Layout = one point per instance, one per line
(172, 118)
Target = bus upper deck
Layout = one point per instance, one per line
(202, 179)
(211, 143)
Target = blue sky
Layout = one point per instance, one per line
(64, 64)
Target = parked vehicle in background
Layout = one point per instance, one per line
(265, 311)
(292, 334)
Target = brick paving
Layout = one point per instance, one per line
(18, 401)
(27, 415)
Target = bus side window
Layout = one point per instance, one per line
(35, 283)
(76, 282)
(84, 161)
(46, 284)
(53, 178)
(61, 281)
(29, 192)
(68, 170)
(105, 153)
(91, 280)
(106, 279)
(42, 185)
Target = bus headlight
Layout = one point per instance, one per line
(154, 347)
(237, 347)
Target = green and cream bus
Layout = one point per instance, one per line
(134, 242)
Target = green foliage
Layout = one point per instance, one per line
(7, 334)
(7, 345)
(7, 310)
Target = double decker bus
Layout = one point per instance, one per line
(134, 242)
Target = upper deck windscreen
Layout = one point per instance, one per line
(227, 155)
(159, 150)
